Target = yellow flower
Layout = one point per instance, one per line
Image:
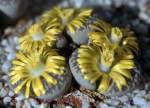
(69, 18)
(39, 35)
(123, 39)
(33, 72)
(101, 65)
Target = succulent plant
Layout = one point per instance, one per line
(38, 72)
(72, 20)
(123, 39)
(101, 66)
(39, 35)
(106, 58)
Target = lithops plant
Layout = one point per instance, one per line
(73, 21)
(99, 67)
(42, 74)
(123, 39)
(40, 35)
(105, 58)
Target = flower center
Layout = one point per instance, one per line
(37, 36)
(37, 69)
(104, 68)
(36, 32)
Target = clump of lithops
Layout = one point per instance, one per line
(108, 58)
(105, 54)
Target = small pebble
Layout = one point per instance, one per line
(6, 66)
(33, 102)
(103, 105)
(3, 92)
(18, 104)
(147, 97)
(112, 102)
(8, 31)
(19, 98)
(26, 104)
(4, 42)
(11, 93)
(141, 93)
(136, 91)
(5, 77)
(11, 56)
(68, 107)
(6, 99)
(123, 98)
(139, 101)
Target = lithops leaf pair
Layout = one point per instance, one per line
(42, 73)
(107, 59)
(104, 33)
(39, 35)
(39, 70)
(73, 21)
(100, 66)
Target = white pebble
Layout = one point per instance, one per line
(139, 101)
(9, 49)
(112, 102)
(19, 98)
(18, 104)
(11, 56)
(43, 105)
(7, 100)
(4, 42)
(5, 77)
(147, 97)
(33, 102)
(141, 93)
(27, 104)
(108, 101)
(3, 92)
(102, 105)
(11, 93)
(6, 66)
(69, 107)
(123, 98)
(136, 91)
